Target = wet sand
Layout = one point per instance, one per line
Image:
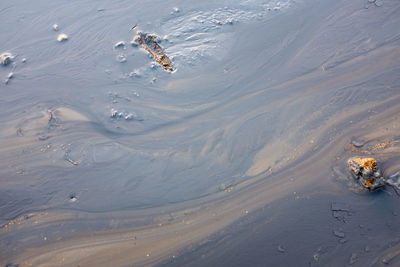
(234, 159)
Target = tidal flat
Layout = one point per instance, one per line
(237, 156)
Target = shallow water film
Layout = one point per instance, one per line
(221, 138)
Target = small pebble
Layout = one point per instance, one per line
(62, 37)
(23, 60)
(176, 10)
(10, 75)
(43, 137)
(55, 27)
(121, 58)
(119, 44)
(338, 233)
(358, 143)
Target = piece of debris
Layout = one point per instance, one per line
(119, 44)
(281, 249)
(23, 60)
(149, 42)
(6, 58)
(176, 10)
(338, 233)
(366, 172)
(55, 27)
(62, 37)
(134, 27)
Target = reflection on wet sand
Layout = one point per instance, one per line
(258, 140)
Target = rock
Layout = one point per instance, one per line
(358, 143)
(72, 198)
(281, 249)
(366, 172)
(43, 137)
(62, 37)
(149, 42)
(55, 27)
(6, 58)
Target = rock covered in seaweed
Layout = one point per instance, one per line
(149, 42)
(366, 172)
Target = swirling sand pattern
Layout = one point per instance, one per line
(233, 159)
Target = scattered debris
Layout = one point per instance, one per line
(55, 27)
(115, 114)
(6, 58)
(366, 172)
(338, 233)
(62, 37)
(340, 211)
(149, 42)
(120, 44)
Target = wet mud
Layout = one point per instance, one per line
(237, 157)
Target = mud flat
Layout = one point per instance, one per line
(239, 157)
